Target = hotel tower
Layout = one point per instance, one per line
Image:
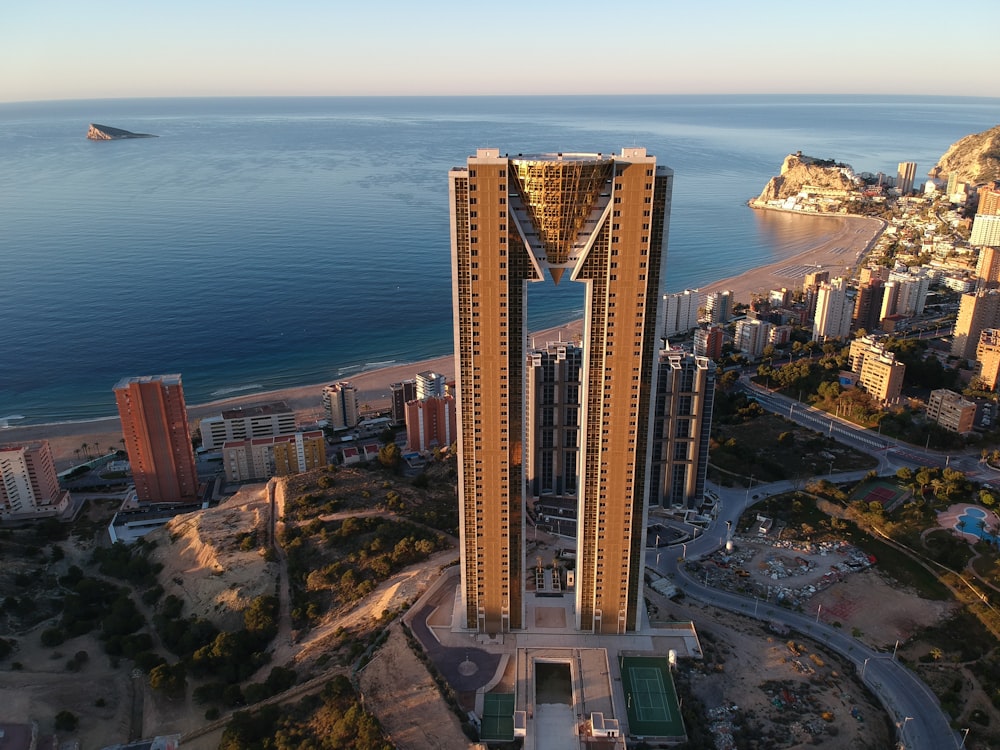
(601, 220)
(157, 438)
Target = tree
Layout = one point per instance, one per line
(66, 721)
(171, 680)
(389, 455)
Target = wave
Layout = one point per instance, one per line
(5, 421)
(237, 389)
(379, 365)
(349, 368)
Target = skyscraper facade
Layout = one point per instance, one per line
(833, 311)
(592, 218)
(976, 312)
(679, 312)
(685, 396)
(157, 438)
(340, 402)
(28, 482)
(905, 176)
(553, 380)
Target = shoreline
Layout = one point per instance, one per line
(845, 245)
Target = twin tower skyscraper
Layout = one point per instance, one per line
(600, 220)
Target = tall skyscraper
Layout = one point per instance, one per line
(430, 383)
(833, 311)
(685, 396)
(340, 401)
(905, 176)
(988, 268)
(28, 481)
(592, 218)
(554, 380)
(157, 438)
(679, 313)
(976, 312)
(401, 394)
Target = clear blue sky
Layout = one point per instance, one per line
(62, 49)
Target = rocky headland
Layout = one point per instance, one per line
(107, 133)
(975, 158)
(799, 171)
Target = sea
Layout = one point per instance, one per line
(262, 243)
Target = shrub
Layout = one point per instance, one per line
(66, 721)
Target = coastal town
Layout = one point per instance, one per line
(823, 488)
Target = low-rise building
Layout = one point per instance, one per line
(951, 411)
(276, 456)
(261, 420)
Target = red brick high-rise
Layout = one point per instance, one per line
(157, 438)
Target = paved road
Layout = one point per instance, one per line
(918, 716)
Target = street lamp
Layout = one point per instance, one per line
(864, 667)
(965, 734)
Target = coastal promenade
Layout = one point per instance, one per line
(837, 249)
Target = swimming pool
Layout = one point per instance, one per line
(974, 521)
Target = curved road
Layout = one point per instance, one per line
(918, 716)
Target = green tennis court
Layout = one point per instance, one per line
(650, 698)
(498, 718)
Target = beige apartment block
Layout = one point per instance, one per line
(261, 420)
(952, 412)
(599, 220)
(275, 456)
(28, 482)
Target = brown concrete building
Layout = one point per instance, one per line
(402, 393)
(988, 358)
(708, 342)
(28, 482)
(157, 438)
(598, 219)
(977, 311)
(431, 423)
(988, 267)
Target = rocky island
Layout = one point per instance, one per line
(805, 173)
(107, 133)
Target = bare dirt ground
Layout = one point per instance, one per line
(749, 668)
(807, 697)
(399, 690)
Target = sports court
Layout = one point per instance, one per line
(887, 494)
(650, 698)
(498, 718)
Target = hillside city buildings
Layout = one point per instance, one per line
(157, 438)
(591, 218)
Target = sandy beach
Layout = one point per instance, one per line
(839, 250)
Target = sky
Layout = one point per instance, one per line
(57, 49)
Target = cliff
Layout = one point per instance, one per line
(798, 171)
(976, 158)
(106, 133)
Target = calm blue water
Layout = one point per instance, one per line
(261, 243)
